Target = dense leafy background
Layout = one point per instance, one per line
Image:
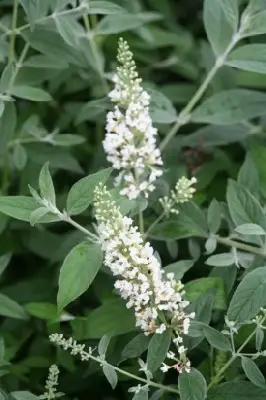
(58, 79)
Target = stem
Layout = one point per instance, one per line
(22, 28)
(95, 53)
(152, 226)
(219, 375)
(18, 66)
(135, 377)
(141, 222)
(241, 246)
(13, 32)
(184, 115)
(81, 228)
(14, 142)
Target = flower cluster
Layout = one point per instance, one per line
(72, 345)
(51, 385)
(130, 142)
(140, 278)
(183, 192)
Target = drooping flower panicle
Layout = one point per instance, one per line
(140, 280)
(130, 141)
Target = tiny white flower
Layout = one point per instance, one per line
(164, 367)
(130, 142)
(139, 277)
(181, 350)
(161, 329)
(171, 355)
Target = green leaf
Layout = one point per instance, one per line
(112, 316)
(249, 296)
(135, 347)
(67, 140)
(4, 261)
(46, 184)
(20, 156)
(192, 386)
(110, 374)
(78, 272)
(190, 221)
(50, 43)
(67, 30)
(113, 24)
(248, 175)
(230, 106)
(221, 21)
(214, 216)
(141, 395)
(237, 390)
(81, 194)
(157, 350)
(6, 77)
(257, 24)
(250, 229)
(46, 311)
(40, 153)
(2, 107)
(3, 395)
(196, 288)
(216, 339)
(259, 159)
(259, 338)
(21, 207)
(23, 395)
(10, 308)
(162, 110)
(37, 214)
(252, 372)
(34, 9)
(221, 260)
(2, 349)
(30, 93)
(251, 57)
(243, 206)
(104, 7)
(104, 343)
(170, 230)
(41, 61)
(92, 110)
(179, 268)
(8, 123)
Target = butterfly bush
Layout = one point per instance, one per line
(130, 142)
(156, 297)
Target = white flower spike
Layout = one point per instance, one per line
(130, 141)
(140, 280)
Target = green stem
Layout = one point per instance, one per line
(219, 374)
(81, 228)
(18, 66)
(95, 53)
(152, 226)
(14, 142)
(241, 246)
(22, 28)
(13, 32)
(138, 378)
(184, 115)
(141, 222)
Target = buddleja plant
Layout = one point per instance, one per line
(202, 331)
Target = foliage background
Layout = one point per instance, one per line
(57, 68)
